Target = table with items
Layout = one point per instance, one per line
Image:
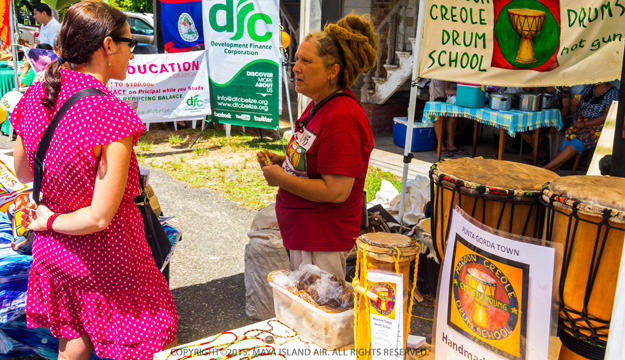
(510, 121)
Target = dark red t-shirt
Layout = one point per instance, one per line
(336, 141)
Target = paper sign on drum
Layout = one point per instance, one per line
(495, 296)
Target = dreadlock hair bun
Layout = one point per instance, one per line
(351, 43)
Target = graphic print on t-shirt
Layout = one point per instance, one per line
(296, 161)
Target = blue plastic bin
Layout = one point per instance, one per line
(422, 135)
(470, 96)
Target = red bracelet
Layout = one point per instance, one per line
(51, 220)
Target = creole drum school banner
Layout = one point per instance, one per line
(181, 24)
(495, 296)
(523, 42)
(164, 87)
(242, 41)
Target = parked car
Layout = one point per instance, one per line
(141, 26)
(27, 33)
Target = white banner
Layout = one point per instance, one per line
(165, 87)
(523, 43)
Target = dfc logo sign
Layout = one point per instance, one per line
(224, 17)
(194, 101)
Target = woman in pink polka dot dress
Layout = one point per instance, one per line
(93, 282)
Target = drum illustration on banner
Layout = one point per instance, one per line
(527, 34)
(489, 302)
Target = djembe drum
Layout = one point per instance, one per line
(587, 215)
(388, 252)
(527, 23)
(500, 194)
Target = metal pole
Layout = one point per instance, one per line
(416, 54)
(286, 87)
(12, 18)
(618, 148)
(158, 32)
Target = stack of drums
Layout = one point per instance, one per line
(586, 214)
(500, 194)
(387, 252)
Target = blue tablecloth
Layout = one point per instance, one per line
(7, 77)
(512, 121)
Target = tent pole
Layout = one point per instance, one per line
(416, 54)
(618, 147)
(12, 18)
(286, 87)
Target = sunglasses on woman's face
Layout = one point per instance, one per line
(132, 43)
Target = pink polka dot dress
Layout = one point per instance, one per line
(104, 285)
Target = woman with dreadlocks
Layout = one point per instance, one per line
(322, 176)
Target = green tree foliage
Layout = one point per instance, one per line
(133, 5)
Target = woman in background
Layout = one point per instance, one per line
(592, 108)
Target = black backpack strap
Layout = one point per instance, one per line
(38, 165)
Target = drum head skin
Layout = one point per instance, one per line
(604, 191)
(498, 173)
(383, 244)
(387, 240)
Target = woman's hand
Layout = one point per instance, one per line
(272, 174)
(266, 157)
(579, 124)
(35, 217)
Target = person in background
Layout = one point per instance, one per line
(27, 76)
(49, 26)
(561, 99)
(93, 280)
(592, 109)
(439, 90)
(321, 178)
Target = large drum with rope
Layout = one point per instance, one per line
(586, 214)
(387, 252)
(501, 194)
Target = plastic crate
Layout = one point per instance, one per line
(470, 96)
(330, 331)
(422, 135)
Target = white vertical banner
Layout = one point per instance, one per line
(165, 87)
(243, 44)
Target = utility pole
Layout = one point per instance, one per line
(158, 33)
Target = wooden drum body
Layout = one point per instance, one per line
(586, 214)
(500, 194)
(388, 252)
